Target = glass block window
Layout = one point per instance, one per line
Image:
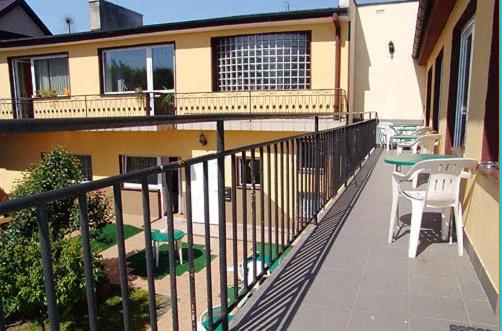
(274, 61)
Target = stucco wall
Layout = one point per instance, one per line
(193, 72)
(390, 86)
(482, 196)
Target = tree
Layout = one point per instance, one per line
(21, 276)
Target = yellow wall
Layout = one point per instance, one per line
(482, 197)
(390, 86)
(192, 57)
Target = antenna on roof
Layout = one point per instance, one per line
(286, 6)
(69, 21)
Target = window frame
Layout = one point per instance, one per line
(459, 140)
(32, 58)
(215, 66)
(148, 65)
(239, 172)
(136, 186)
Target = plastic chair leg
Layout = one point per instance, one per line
(416, 222)
(393, 211)
(459, 226)
(445, 222)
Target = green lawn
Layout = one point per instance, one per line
(107, 237)
(137, 262)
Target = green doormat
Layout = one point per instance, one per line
(107, 236)
(137, 262)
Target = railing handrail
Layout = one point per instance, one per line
(132, 93)
(91, 123)
(10, 206)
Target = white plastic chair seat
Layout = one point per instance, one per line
(423, 144)
(441, 191)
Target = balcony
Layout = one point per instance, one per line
(325, 102)
(300, 246)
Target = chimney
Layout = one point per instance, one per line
(105, 16)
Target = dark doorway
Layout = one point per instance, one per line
(23, 88)
(438, 66)
(428, 98)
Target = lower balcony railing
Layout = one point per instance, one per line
(150, 104)
(289, 181)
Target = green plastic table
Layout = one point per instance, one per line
(158, 237)
(404, 137)
(406, 126)
(412, 159)
(215, 320)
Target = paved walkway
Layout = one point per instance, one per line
(344, 276)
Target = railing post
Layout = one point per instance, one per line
(85, 103)
(45, 247)
(220, 147)
(316, 167)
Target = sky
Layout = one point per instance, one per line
(54, 12)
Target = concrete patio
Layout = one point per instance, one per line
(344, 275)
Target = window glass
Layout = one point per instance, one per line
(125, 70)
(51, 75)
(133, 163)
(279, 61)
(246, 176)
(163, 67)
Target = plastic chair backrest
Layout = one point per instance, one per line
(426, 144)
(444, 178)
(422, 131)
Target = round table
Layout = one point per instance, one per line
(160, 236)
(405, 137)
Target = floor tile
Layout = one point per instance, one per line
(435, 286)
(377, 300)
(438, 307)
(365, 320)
(397, 283)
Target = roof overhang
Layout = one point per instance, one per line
(234, 22)
(431, 19)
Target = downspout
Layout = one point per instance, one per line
(338, 54)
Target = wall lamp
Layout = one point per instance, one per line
(391, 49)
(202, 139)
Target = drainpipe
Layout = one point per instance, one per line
(337, 61)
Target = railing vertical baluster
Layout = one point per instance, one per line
(296, 200)
(234, 223)
(45, 247)
(269, 209)
(283, 206)
(86, 248)
(317, 153)
(301, 173)
(150, 268)
(288, 213)
(124, 290)
(243, 179)
(262, 210)
(220, 146)
(168, 184)
(308, 175)
(207, 228)
(191, 268)
(253, 211)
(276, 196)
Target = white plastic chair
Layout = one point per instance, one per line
(441, 192)
(421, 145)
(387, 131)
(422, 131)
(216, 316)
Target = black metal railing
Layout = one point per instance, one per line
(289, 181)
(326, 101)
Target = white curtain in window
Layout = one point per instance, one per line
(52, 74)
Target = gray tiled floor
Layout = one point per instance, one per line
(345, 276)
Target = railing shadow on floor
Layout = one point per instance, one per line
(274, 307)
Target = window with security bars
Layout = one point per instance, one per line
(273, 61)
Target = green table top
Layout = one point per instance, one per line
(162, 236)
(405, 129)
(406, 126)
(412, 159)
(216, 319)
(405, 137)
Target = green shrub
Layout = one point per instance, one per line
(21, 276)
